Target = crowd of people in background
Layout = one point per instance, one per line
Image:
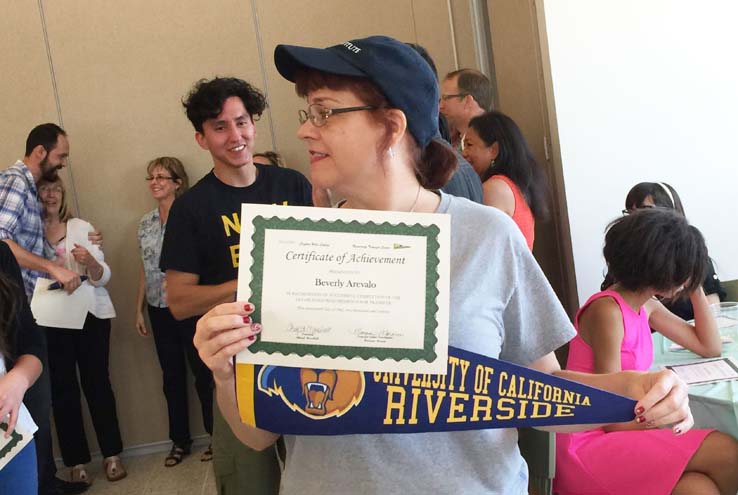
(416, 145)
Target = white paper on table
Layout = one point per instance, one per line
(710, 371)
(725, 339)
(57, 309)
(725, 321)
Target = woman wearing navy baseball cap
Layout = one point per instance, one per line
(369, 126)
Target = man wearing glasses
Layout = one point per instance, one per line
(465, 94)
(200, 252)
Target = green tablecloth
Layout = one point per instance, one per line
(714, 405)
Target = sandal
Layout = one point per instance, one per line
(78, 474)
(176, 455)
(114, 469)
(208, 454)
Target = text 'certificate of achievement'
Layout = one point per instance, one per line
(346, 289)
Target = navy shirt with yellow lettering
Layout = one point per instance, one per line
(204, 227)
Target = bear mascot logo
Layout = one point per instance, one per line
(316, 393)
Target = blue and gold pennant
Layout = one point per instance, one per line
(478, 392)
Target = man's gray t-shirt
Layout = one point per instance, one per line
(464, 182)
(501, 306)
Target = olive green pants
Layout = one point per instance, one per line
(238, 469)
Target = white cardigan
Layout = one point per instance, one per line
(77, 230)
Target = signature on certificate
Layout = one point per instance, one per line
(382, 335)
(307, 331)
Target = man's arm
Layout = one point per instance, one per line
(186, 298)
(251, 436)
(30, 261)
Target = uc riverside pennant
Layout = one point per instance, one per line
(478, 392)
(13, 444)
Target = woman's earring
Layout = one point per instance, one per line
(391, 152)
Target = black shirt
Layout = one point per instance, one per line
(465, 182)
(25, 335)
(204, 225)
(682, 307)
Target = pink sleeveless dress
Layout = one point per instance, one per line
(644, 462)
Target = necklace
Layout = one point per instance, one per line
(417, 195)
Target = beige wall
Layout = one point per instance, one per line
(522, 95)
(120, 71)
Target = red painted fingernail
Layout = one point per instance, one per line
(247, 319)
(640, 419)
(251, 337)
(256, 327)
(248, 307)
(640, 410)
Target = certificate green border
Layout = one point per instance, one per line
(430, 232)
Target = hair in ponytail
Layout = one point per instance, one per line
(435, 165)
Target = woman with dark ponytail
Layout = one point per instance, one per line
(369, 126)
(21, 350)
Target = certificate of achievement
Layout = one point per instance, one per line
(346, 289)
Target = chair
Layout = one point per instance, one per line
(539, 451)
(731, 288)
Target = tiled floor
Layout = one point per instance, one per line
(148, 476)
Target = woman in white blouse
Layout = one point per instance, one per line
(86, 350)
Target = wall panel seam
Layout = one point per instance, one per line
(453, 34)
(57, 100)
(264, 81)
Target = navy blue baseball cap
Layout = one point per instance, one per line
(400, 73)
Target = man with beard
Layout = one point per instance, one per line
(21, 224)
(22, 228)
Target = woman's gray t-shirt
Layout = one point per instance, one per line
(501, 306)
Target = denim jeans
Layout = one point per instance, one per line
(19, 476)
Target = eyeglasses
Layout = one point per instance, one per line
(628, 211)
(158, 178)
(318, 114)
(448, 97)
(48, 189)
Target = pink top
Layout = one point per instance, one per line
(634, 462)
(522, 215)
(636, 351)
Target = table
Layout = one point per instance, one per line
(714, 405)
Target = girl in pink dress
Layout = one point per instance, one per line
(648, 253)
